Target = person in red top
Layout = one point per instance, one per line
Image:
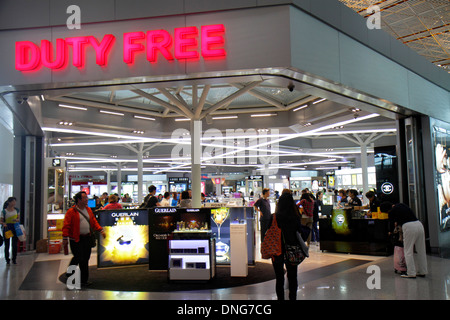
(306, 206)
(113, 204)
(76, 231)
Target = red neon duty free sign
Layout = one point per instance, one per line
(183, 44)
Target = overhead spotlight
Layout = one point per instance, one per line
(65, 123)
(138, 132)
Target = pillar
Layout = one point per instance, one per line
(196, 152)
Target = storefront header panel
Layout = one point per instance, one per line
(154, 47)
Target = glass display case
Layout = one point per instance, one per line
(191, 259)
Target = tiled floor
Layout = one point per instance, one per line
(323, 276)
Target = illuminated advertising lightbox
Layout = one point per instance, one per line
(126, 241)
(220, 227)
(339, 222)
(441, 140)
(167, 222)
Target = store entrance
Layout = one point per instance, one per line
(256, 132)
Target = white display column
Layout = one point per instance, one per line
(140, 172)
(196, 152)
(238, 249)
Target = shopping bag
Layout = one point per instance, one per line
(399, 259)
(23, 237)
(271, 245)
(17, 229)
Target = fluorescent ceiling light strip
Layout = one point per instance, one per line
(319, 101)
(72, 107)
(306, 133)
(112, 113)
(263, 115)
(182, 119)
(144, 118)
(224, 117)
(300, 108)
(100, 134)
(352, 131)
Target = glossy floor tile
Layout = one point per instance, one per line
(323, 276)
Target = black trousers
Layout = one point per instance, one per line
(291, 270)
(14, 248)
(264, 224)
(81, 254)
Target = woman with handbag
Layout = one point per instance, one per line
(289, 221)
(79, 227)
(10, 215)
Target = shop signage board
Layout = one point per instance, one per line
(119, 51)
(185, 43)
(126, 241)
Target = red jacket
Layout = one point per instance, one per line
(71, 227)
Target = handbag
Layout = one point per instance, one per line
(92, 238)
(293, 254)
(271, 245)
(8, 234)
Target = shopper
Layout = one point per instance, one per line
(306, 207)
(185, 201)
(262, 207)
(374, 203)
(413, 237)
(165, 202)
(317, 207)
(354, 201)
(10, 216)
(77, 233)
(113, 203)
(174, 199)
(289, 221)
(150, 200)
(343, 194)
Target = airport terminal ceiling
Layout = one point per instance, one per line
(250, 125)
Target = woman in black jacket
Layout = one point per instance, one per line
(289, 221)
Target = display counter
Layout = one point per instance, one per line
(143, 236)
(347, 231)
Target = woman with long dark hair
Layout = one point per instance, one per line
(9, 216)
(289, 221)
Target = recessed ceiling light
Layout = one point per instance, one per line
(65, 123)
